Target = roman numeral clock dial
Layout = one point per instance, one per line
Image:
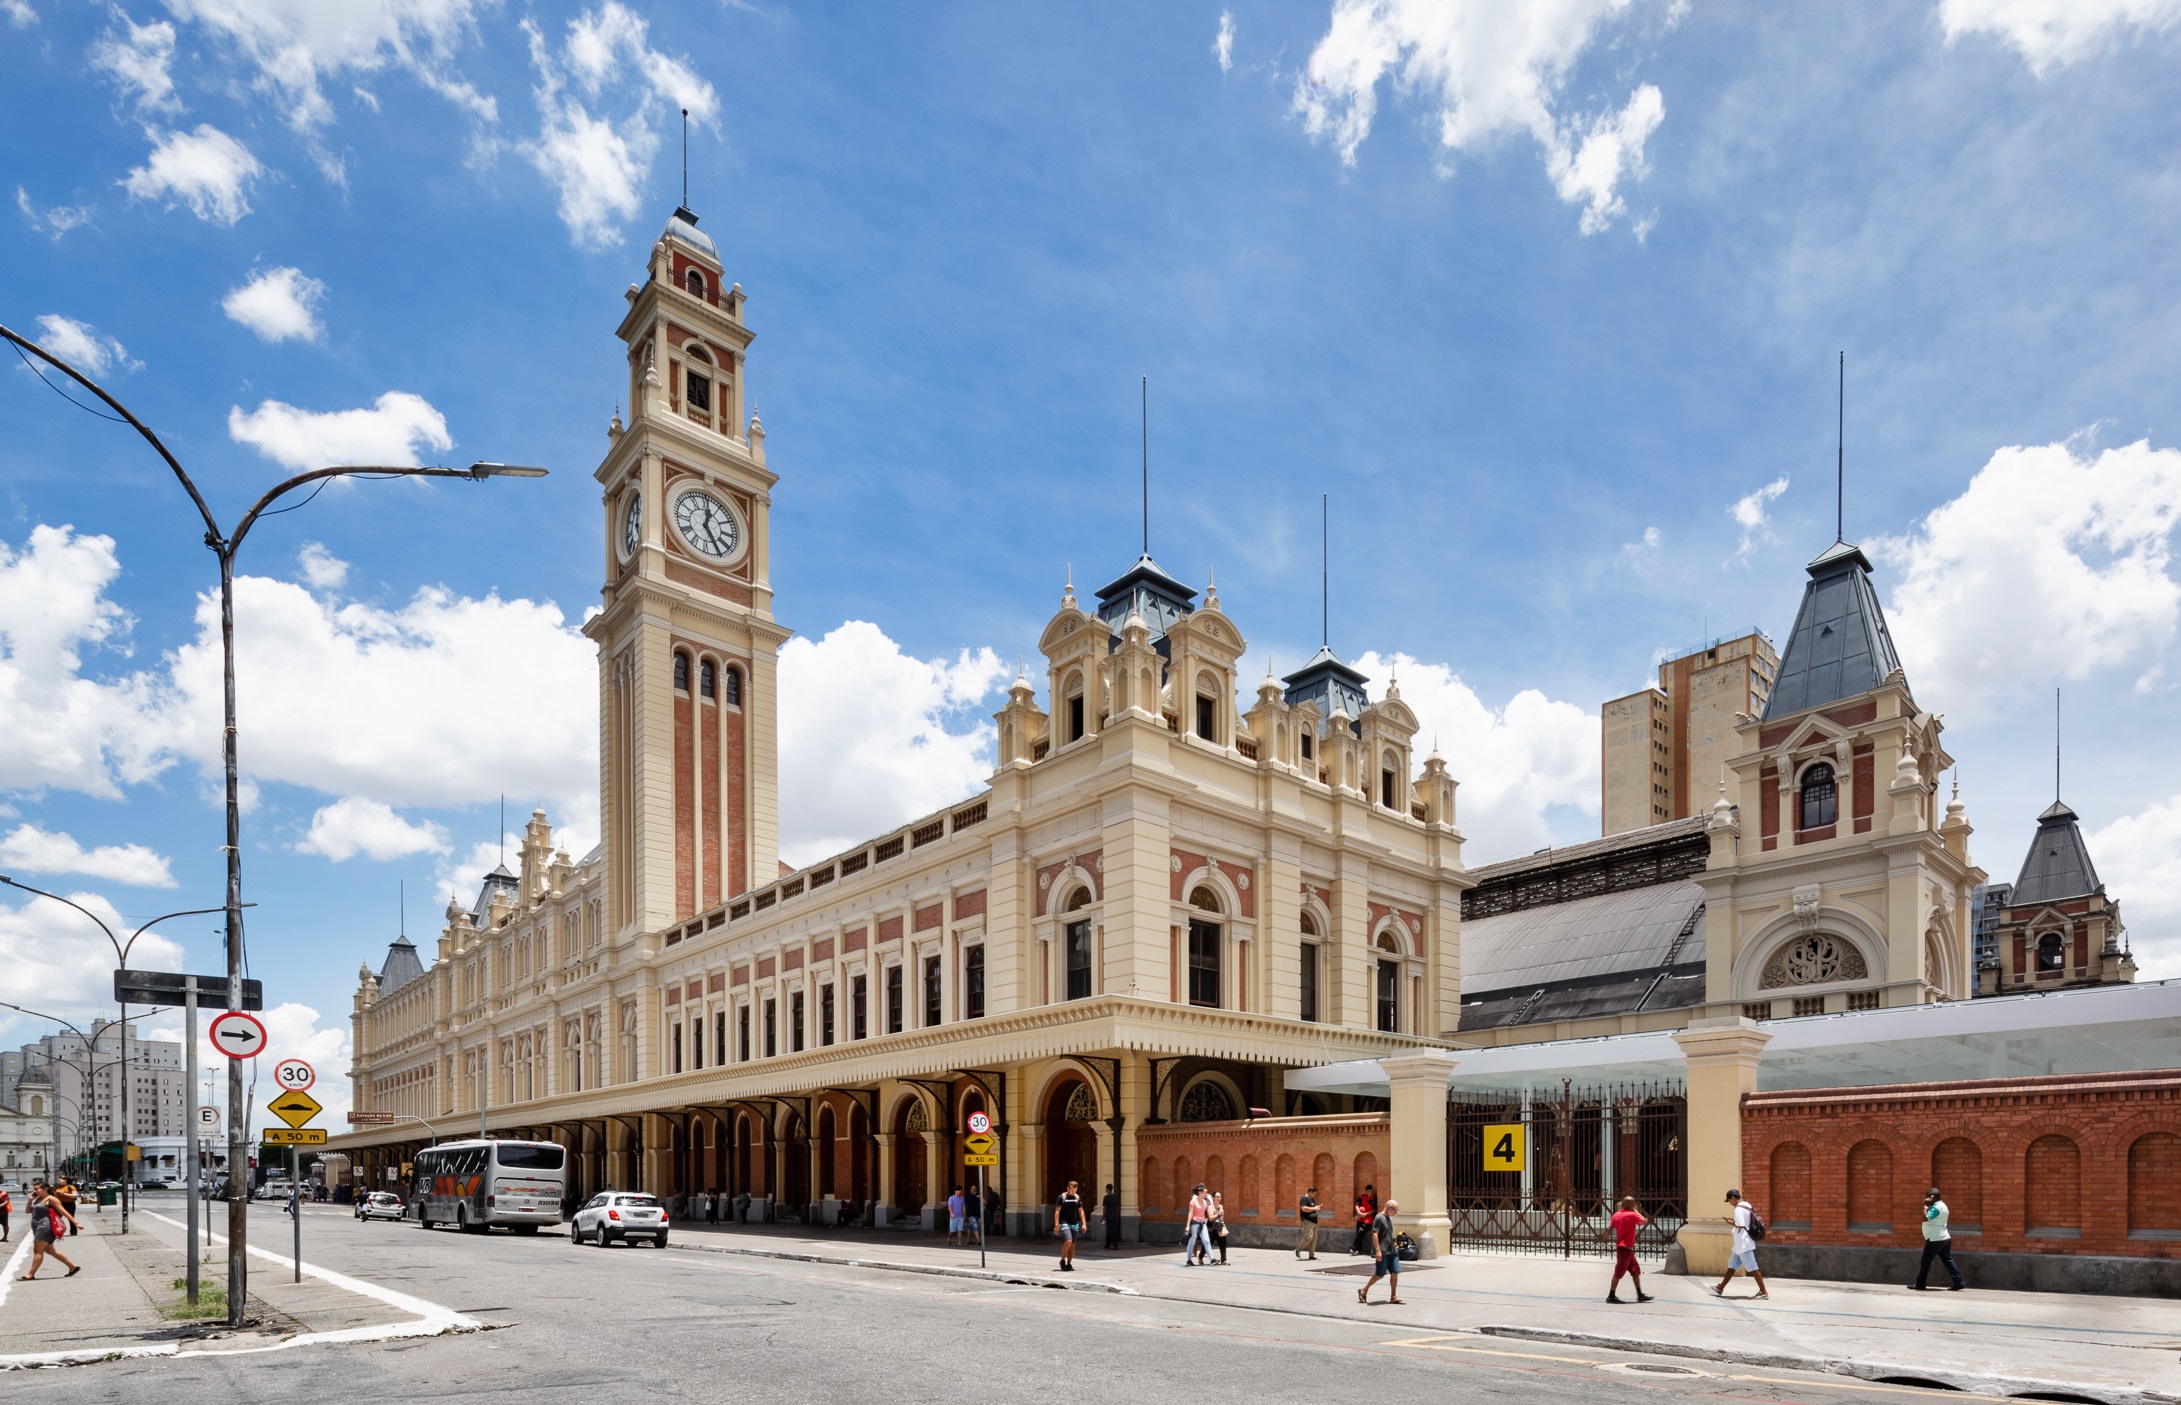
(707, 524)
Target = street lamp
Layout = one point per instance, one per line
(89, 1122)
(224, 545)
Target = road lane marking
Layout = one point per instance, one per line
(15, 1264)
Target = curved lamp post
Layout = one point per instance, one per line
(224, 545)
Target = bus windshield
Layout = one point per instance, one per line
(520, 1156)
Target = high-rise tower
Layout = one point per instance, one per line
(688, 736)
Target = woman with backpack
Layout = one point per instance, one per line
(1748, 1229)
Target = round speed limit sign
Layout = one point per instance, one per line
(294, 1075)
(980, 1123)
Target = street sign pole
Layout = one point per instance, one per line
(981, 1208)
(295, 1199)
(238, 1112)
(189, 1081)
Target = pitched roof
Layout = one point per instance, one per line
(1642, 929)
(401, 966)
(2058, 863)
(1840, 647)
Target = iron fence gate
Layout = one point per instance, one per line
(1541, 1172)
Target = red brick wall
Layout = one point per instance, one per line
(2082, 1164)
(685, 804)
(1263, 1166)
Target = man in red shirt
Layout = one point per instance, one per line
(1626, 1221)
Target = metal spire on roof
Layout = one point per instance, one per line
(2055, 746)
(685, 158)
(1325, 572)
(1840, 456)
(1146, 423)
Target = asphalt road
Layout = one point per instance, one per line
(640, 1325)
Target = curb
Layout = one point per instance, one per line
(1862, 1370)
(989, 1275)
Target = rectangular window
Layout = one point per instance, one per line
(1389, 997)
(795, 1022)
(772, 1045)
(742, 1032)
(1385, 789)
(1204, 944)
(700, 392)
(1079, 960)
(860, 1002)
(893, 1000)
(676, 1065)
(1075, 717)
(932, 1011)
(1309, 746)
(696, 1042)
(1310, 981)
(1207, 718)
(825, 1014)
(973, 984)
(719, 1037)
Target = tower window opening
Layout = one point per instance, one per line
(1075, 718)
(1207, 718)
(1820, 797)
(2051, 952)
(700, 392)
(1386, 789)
(695, 283)
(1309, 747)
(707, 679)
(681, 673)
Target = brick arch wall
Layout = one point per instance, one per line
(1975, 1140)
(1234, 1157)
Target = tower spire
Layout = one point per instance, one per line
(1146, 423)
(1325, 571)
(1840, 455)
(685, 158)
(2056, 746)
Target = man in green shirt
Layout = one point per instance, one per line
(1938, 1242)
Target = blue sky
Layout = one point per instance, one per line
(1546, 298)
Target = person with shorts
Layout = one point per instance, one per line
(955, 1206)
(1068, 1224)
(1387, 1257)
(1306, 1243)
(1744, 1256)
(49, 1220)
(1626, 1221)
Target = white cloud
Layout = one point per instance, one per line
(349, 827)
(871, 737)
(207, 170)
(138, 57)
(1513, 763)
(1492, 69)
(2049, 33)
(321, 568)
(599, 165)
(59, 219)
(81, 344)
(60, 964)
(19, 13)
(1223, 42)
(461, 876)
(2051, 564)
(2139, 857)
(1752, 513)
(390, 432)
(29, 849)
(278, 304)
(294, 44)
(60, 726)
(1644, 549)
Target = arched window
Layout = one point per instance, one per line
(2051, 952)
(1079, 978)
(1388, 994)
(707, 679)
(1206, 943)
(1309, 969)
(681, 672)
(1389, 781)
(1820, 798)
(1204, 900)
(695, 283)
(1206, 1101)
(734, 687)
(2154, 1167)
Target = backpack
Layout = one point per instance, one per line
(1756, 1226)
(1404, 1248)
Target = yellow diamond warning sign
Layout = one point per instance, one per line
(295, 1108)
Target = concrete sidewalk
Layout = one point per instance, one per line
(125, 1302)
(2002, 1343)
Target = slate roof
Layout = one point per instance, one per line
(1840, 647)
(1642, 930)
(401, 966)
(2058, 863)
(481, 910)
(1145, 589)
(682, 224)
(1331, 684)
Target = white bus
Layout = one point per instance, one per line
(474, 1185)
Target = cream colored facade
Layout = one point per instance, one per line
(1163, 900)
(1665, 749)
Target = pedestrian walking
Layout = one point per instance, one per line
(1626, 1221)
(1306, 1210)
(1110, 1208)
(995, 1217)
(1744, 1254)
(7, 1207)
(954, 1217)
(1387, 1257)
(1938, 1243)
(742, 1207)
(66, 1194)
(1218, 1224)
(1068, 1225)
(972, 1216)
(49, 1220)
(1366, 1211)
(1200, 1210)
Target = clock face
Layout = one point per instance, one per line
(632, 526)
(707, 525)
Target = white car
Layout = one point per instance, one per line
(381, 1205)
(612, 1215)
(273, 1190)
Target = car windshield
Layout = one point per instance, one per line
(531, 1158)
(641, 1202)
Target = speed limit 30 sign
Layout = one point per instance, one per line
(294, 1075)
(980, 1123)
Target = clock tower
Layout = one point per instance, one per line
(687, 645)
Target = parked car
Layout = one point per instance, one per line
(273, 1190)
(380, 1205)
(614, 1215)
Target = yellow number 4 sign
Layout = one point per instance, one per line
(1503, 1146)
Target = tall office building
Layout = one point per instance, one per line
(1666, 748)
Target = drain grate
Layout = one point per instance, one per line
(1649, 1368)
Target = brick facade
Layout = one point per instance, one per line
(1261, 1167)
(2081, 1164)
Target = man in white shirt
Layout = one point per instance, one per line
(1938, 1242)
(1744, 1255)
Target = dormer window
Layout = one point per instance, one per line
(695, 283)
(1820, 798)
(1309, 747)
(2051, 953)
